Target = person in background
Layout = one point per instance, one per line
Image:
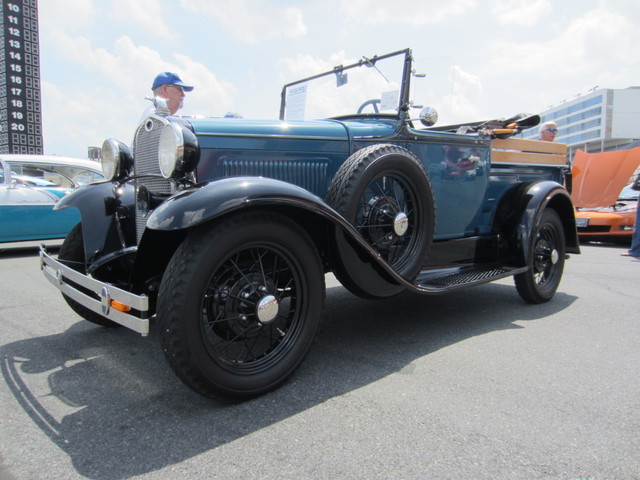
(634, 251)
(548, 131)
(170, 86)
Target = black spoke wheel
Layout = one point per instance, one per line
(546, 258)
(383, 217)
(384, 192)
(72, 254)
(239, 304)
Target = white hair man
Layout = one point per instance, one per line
(548, 131)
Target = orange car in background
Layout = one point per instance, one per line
(605, 205)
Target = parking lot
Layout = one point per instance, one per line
(475, 384)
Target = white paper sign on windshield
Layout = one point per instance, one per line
(296, 102)
(389, 100)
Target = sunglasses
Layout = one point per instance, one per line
(552, 130)
(177, 86)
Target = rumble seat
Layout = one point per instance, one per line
(519, 150)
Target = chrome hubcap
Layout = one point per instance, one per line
(267, 309)
(401, 224)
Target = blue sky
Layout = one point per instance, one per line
(484, 59)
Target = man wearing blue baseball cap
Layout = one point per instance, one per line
(170, 86)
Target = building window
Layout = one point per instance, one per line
(572, 108)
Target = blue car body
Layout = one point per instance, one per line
(221, 230)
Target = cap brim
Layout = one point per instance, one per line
(186, 88)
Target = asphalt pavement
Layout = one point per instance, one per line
(474, 384)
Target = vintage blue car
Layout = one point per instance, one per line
(31, 186)
(221, 231)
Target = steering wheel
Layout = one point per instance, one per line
(374, 102)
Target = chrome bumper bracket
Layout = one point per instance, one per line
(59, 275)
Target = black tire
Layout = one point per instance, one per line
(217, 286)
(546, 258)
(376, 188)
(72, 254)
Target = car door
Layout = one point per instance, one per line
(458, 167)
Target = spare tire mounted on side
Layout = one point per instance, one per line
(385, 193)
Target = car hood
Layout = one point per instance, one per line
(598, 178)
(329, 129)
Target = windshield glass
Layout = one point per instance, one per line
(368, 86)
(628, 193)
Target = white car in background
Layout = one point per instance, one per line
(30, 187)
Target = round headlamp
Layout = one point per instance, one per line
(171, 150)
(116, 159)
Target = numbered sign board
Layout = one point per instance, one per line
(20, 106)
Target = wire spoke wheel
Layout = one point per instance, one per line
(386, 216)
(249, 309)
(239, 304)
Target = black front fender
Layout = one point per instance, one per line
(347, 250)
(203, 203)
(97, 204)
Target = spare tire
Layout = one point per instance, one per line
(385, 193)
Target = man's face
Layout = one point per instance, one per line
(548, 135)
(174, 95)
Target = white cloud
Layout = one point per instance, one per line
(131, 68)
(103, 65)
(595, 47)
(126, 67)
(101, 113)
(146, 14)
(413, 12)
(124, 75)
(305, 65)
(251, 21)
(211, 95)
(58, 14)
(585, 45)
(520, 12)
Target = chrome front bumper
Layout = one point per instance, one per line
(99, 296)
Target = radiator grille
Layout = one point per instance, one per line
(145, 154)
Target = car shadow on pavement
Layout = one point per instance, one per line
(107, 398)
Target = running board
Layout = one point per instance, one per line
(447, 279)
